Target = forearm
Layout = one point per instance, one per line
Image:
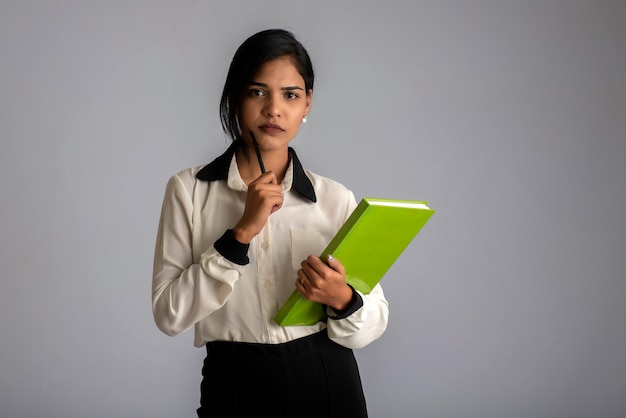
(180, 298)
(185, 288)
(363, 326)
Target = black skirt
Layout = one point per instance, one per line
(307, 377)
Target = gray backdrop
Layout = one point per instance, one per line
(508, 116)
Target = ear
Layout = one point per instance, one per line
(309, 99)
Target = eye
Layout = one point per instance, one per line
(291, 95)
(256, 93)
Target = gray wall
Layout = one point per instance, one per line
(509, 117)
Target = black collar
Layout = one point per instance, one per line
(218, 170)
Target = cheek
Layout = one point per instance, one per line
(246, 112)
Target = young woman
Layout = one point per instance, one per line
(234, 240)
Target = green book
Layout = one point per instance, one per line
(368, 243)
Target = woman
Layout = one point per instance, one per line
(238, 234)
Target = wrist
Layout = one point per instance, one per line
(355, 304)
(344, 300)
(242, 235)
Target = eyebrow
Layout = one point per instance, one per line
(288, 88)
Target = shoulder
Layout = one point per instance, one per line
(184, 179)
(327, 185)
(332, 194)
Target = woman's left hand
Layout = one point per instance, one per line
(324, 283)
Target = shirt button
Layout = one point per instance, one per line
(267, 284)
(264, 245)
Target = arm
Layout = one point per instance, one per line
(354, 319)
(363, 326)
(184, 292)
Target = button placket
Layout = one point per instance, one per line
(265, 280)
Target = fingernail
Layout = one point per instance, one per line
(331, 258)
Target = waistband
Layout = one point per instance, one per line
(316, 341)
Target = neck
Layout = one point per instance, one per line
(276, 161)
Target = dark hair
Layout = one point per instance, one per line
(255, 51)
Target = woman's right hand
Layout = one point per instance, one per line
(265, 196)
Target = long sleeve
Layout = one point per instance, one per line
(231, 291)
(363, 326)
(184, 292)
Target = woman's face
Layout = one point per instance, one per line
(274, 104)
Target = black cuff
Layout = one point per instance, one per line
(355, 304)
(232, 249)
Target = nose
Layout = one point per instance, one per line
(271, 108)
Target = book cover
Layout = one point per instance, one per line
(368, 243)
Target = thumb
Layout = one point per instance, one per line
(335, 264)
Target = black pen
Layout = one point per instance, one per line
(258, 152)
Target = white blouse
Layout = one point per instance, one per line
(195, 285)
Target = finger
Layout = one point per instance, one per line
(266, 178)
(305, 279)
(320, 267)
(300, 284)
(276, 202)
(335, 264)
(264, 195)
(266, 192)
(265, 188)
(309, 270)
(276, 207)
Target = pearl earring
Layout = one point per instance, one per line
(304, 119)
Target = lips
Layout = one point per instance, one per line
(271, 127)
